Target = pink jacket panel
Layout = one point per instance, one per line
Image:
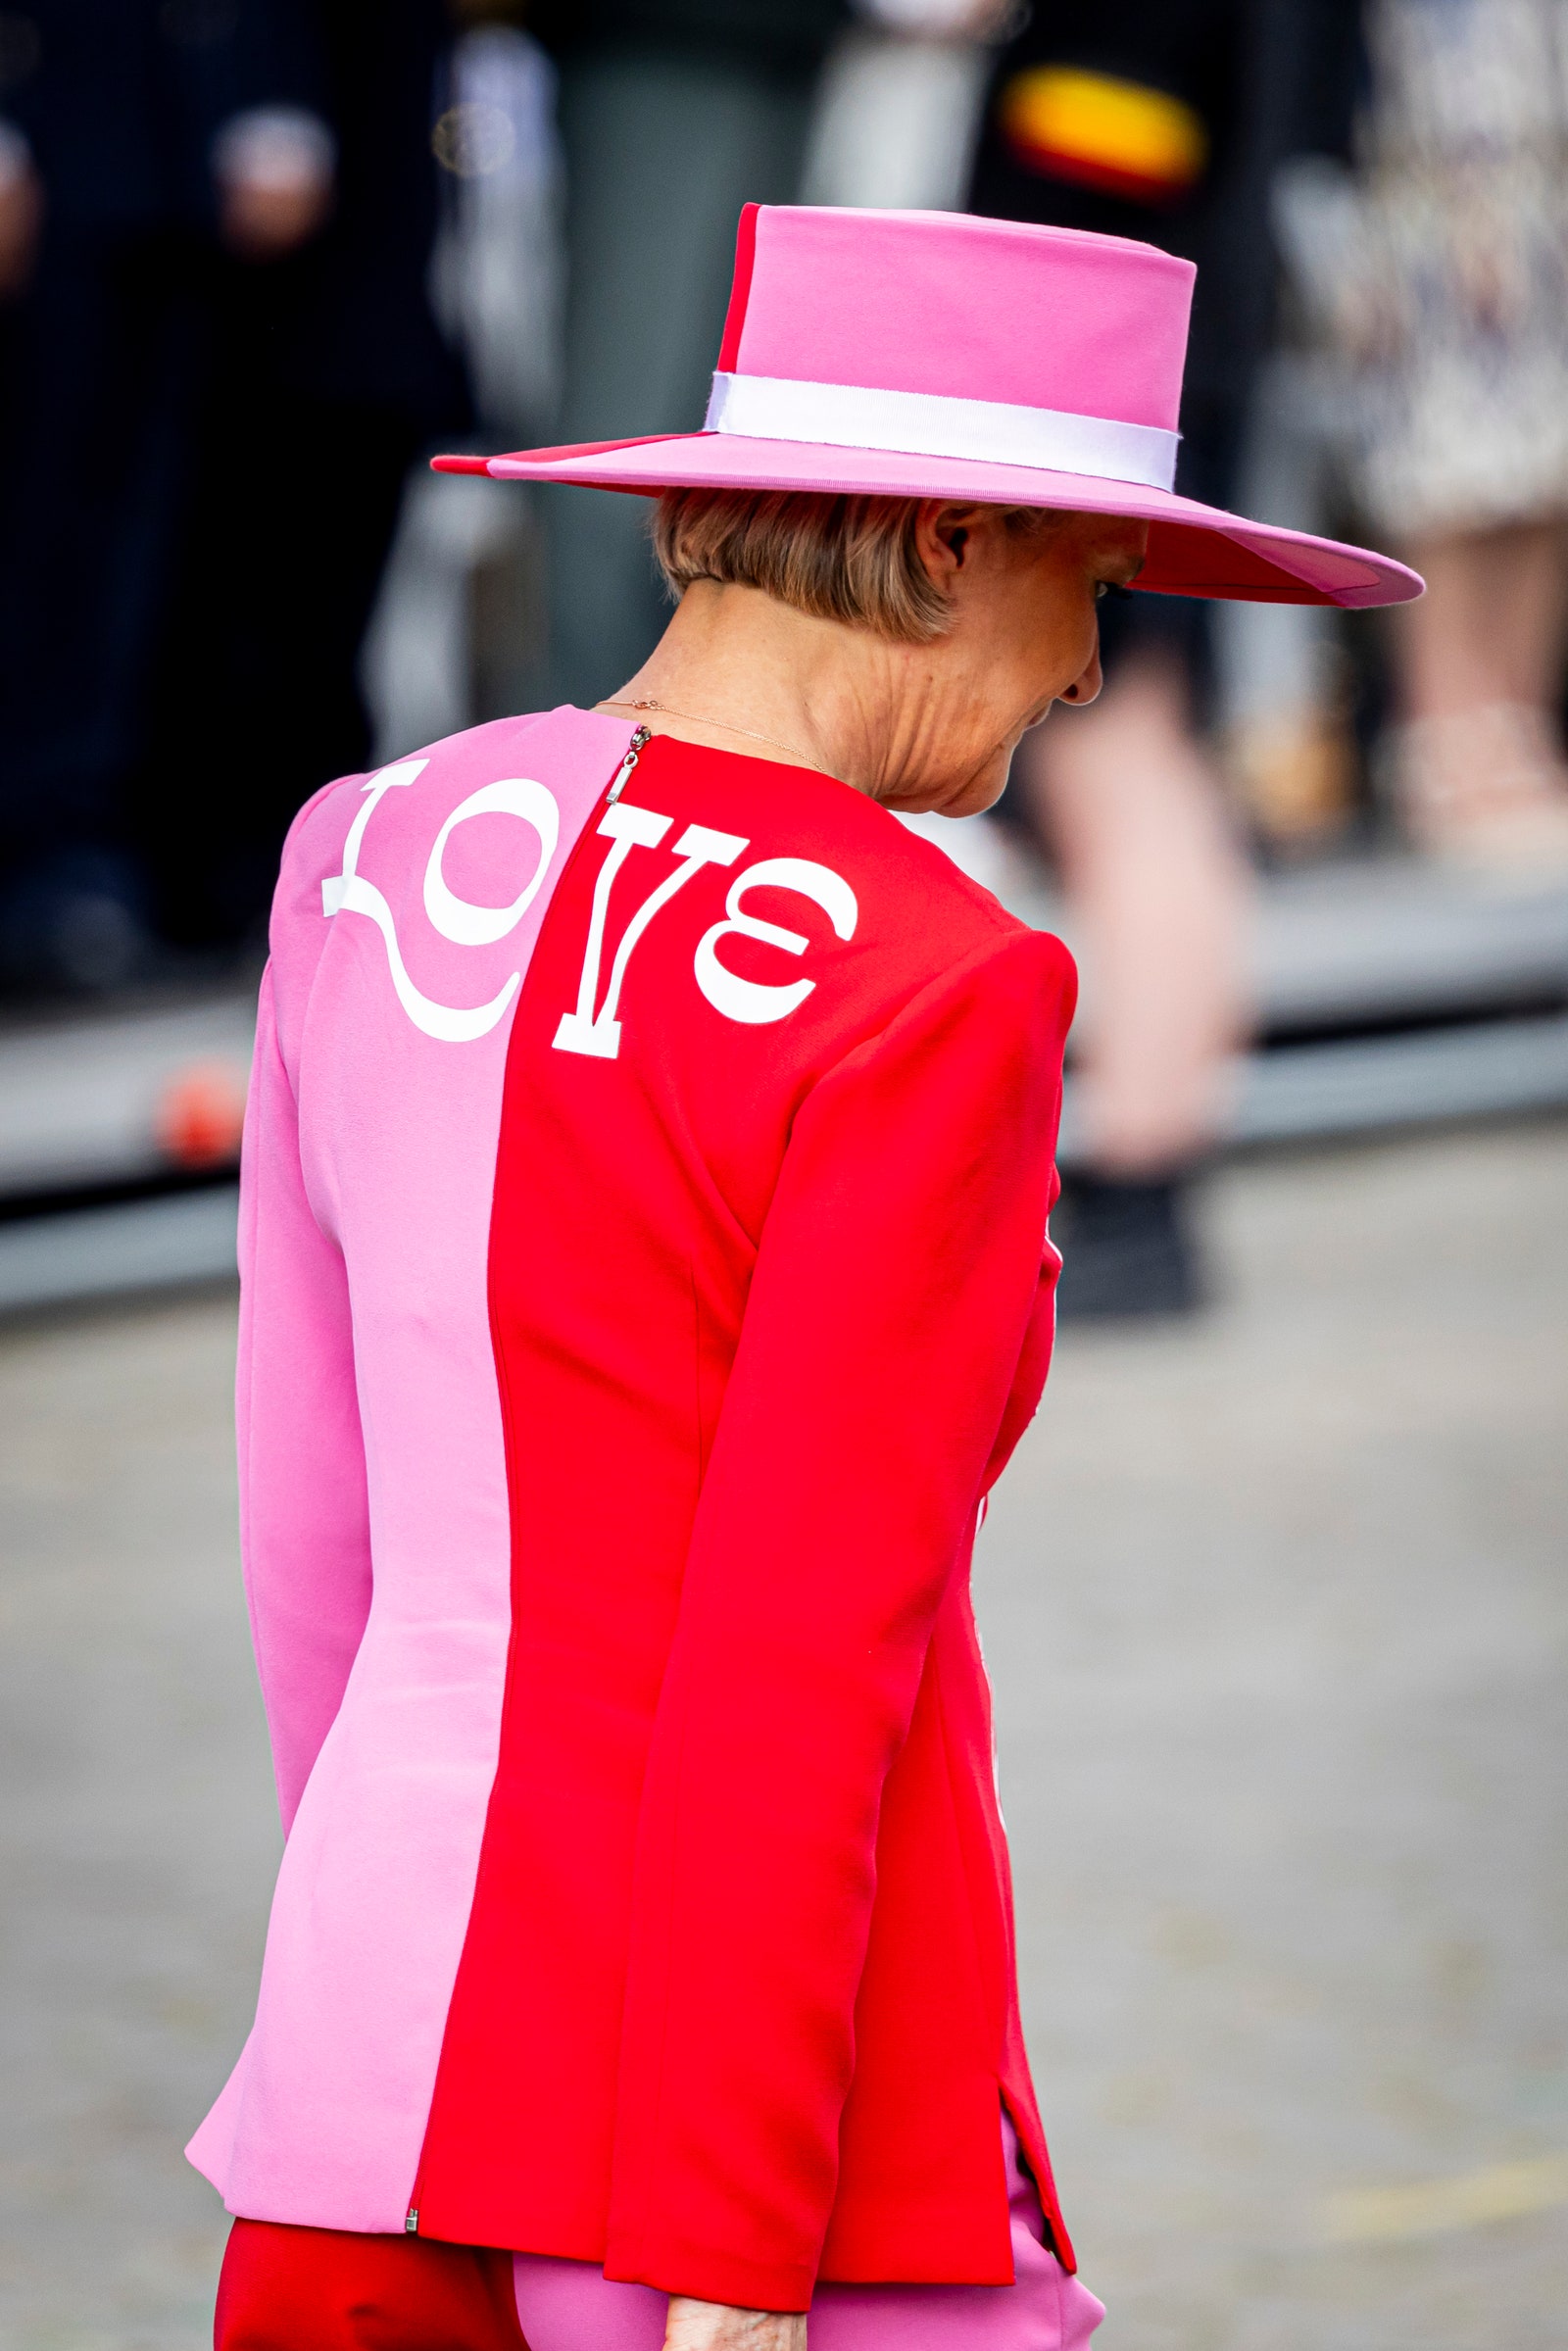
(369, 1422)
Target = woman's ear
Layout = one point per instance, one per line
(943, 536)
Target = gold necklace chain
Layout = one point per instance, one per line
(753, 734)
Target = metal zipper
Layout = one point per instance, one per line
(643, 735)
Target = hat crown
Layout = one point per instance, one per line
(966, 309)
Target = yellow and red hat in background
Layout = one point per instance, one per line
(1098, 132)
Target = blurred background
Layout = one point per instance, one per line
(1276, 1590)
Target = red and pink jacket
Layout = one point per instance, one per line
(644, 1277)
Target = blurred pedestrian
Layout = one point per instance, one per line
(1160, 119)
(1450, 294)
(673, 115)
(219, 222)
(323, 339)
(128, 132)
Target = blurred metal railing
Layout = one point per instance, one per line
(1391, 995)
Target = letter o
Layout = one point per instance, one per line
(467, 925)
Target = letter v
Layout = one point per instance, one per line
(627, 826)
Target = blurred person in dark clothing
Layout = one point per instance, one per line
(328, 346)
(331, 346)
(673, 115)
(111, 111)
(1161, 120)
(237, 204)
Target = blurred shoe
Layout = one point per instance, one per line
(1127, 1250)
(75, 924)
(1484, 788)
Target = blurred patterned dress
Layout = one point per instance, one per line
(1458, 312)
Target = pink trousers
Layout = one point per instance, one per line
(571, 2306)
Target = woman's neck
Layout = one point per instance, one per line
(735, 665)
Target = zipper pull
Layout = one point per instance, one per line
(411, 2226)
(643, 735)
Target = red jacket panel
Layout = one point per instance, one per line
(770, 1299)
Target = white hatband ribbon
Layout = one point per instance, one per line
(780, 408)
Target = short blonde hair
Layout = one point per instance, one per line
(838, 557)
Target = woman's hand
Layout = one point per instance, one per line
(716, 2326)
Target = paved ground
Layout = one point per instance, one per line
(1278, 1614)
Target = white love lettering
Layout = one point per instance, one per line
(594, 1027)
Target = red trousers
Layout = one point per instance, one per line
(322, 2290)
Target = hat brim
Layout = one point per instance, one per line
(1194, 550)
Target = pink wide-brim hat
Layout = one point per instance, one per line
(932, 355)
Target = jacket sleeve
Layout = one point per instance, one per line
(304, 1519)
(891, 1298)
